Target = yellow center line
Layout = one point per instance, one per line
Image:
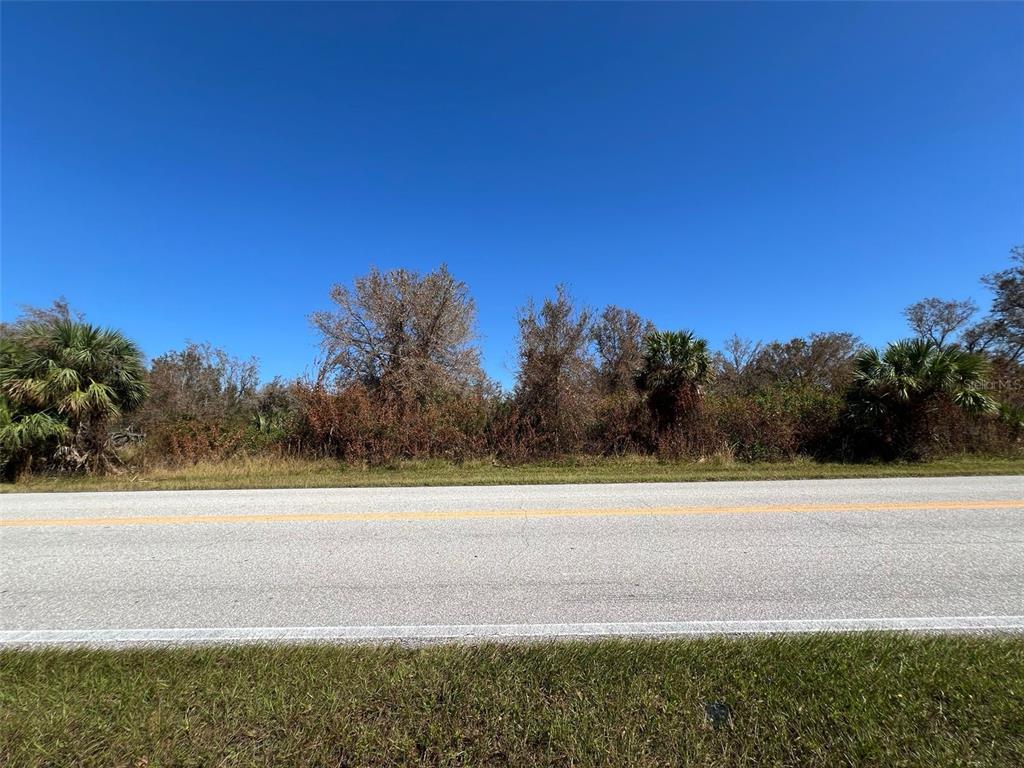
(479, 514)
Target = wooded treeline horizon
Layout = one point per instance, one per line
(400, 377)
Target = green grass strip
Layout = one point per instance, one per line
(816, 700)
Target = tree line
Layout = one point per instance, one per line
(400, 376)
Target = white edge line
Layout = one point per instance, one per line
(456, 632)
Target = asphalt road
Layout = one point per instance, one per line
(522, 561)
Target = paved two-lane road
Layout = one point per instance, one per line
(428, 563)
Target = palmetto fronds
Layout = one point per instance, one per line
(24, 431)
(674, 358)
(52, 361)
(916, 368)
(676, 367)
(62, 379)
(898, 395)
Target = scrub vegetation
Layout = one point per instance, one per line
(400, 385)
(816, 700)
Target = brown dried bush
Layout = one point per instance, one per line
(189, 441)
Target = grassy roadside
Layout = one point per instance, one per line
(819, 700)
(297, 473)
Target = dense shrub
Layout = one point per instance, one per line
(356, 425)
(189, 441)
(200, 383)
(778, 424)
(752, 430)
(622, 425)
(695, 440)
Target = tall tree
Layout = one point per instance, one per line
(939, 319)
(734, 365)
(401, 332)
(61, 382)
(555, 383)
(1001, 332)
(618, 336)
(821, 361)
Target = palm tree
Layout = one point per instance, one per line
(676, 367)
(61, 382)
(894, 394)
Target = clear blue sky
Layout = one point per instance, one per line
(205, 172)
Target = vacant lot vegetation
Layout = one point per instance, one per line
(818, 700)
(400, 379)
